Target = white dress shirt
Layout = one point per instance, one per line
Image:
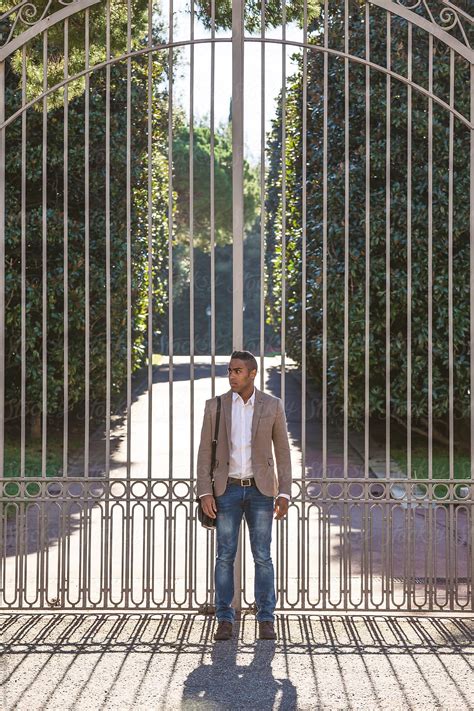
(240, 460)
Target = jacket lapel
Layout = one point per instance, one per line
(257, 411)
(227, 408)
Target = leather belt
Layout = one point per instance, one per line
(241, 482)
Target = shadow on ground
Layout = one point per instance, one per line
(170, 661)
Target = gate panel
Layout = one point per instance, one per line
(344, 264)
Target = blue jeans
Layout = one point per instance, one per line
(258, 509)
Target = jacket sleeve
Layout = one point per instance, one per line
(282, 451)
(204, 485)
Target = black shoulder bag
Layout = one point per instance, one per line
(205, 520)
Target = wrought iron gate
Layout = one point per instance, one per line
(117, 527)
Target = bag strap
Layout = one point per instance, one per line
(214, 442)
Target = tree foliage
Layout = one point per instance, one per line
(74, 232)
(366, 270)
(69, 36)
(275, 11)
(202, 185)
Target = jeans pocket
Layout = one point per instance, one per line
(224, 492)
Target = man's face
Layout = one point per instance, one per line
(240, 378)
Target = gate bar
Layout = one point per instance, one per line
(237, 171)
(2, 265)
(237, 218)
(471, 300)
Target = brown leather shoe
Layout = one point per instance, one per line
(224, 631)
(266, 630)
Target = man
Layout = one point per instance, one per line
(245, 485)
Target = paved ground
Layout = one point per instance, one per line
(169, 662)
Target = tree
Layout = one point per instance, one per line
(274, 11)
(202, 185)
(76, 238)
(74, 32)
(378, 245)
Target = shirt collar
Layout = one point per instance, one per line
(251, 399)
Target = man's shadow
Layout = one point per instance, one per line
(224, 684)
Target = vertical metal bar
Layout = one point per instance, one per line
(237, 171)
(170, 237)
(128, 218)
(213, 268)
(66, 250)
(387, 244)
(346, 235)
(409, 211)
(237, 217)
(388, 178)
(191, 218)
(148, 588)
(86, 556)
(346, 281)
(105, 579)
(170, 288)
(23, 264)
(430, 319)
(323, 530)
(44, 235)
(190, 587)
(367, 298)
(43, 521)
(458, 598)
(304, 151)
(283, 208)
(262, 196)
(452, 541)
(2, 306)
(212, 208)
(326, 527)
(430, 260)
(283, 269)
(88, 546)
(62, 592)
(22, 506)
(471, 312)
(82, 545)
(410, 518)
(367, 244)
(450, 265)
(325, 232)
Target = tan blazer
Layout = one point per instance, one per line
(268, 425)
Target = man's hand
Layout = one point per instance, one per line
(208, 504)
(281, 507)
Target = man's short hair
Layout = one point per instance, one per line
(246, 356)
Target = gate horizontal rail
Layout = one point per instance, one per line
(89, 543)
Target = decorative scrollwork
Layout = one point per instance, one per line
(23, 15)
(449, 17)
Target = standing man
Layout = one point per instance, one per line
(245, 485)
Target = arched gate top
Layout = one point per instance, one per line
(27, 21)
